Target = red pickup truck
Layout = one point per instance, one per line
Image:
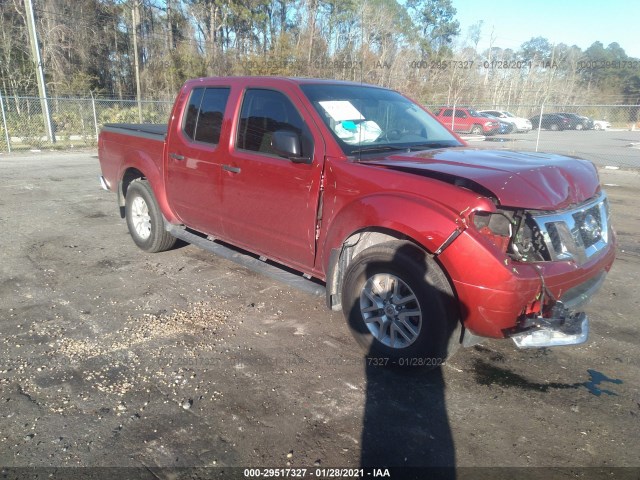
(423, 242)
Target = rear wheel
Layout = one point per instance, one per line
(144, 219)
(400, 306)
(579, 126)
(597, 126)
(554, 127)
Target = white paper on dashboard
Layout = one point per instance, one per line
(341, 110)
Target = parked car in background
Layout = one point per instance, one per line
(551, 121)
(522, 124)
(601, 125)
(505, 126)
(467, 120)
(578, 122)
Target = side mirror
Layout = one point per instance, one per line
(287, 145)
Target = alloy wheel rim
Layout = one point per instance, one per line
(141, 218)
(390, 310)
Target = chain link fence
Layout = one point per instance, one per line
(76, 122)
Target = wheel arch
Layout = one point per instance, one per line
(145, 168)
(377, 219)
(341, 257)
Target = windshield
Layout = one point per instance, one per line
(509, 114)
(369, 119)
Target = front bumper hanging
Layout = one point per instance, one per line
(563, 327)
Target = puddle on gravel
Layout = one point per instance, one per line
(596, 379)
(488, 374)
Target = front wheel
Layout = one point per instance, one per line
(476, 130)
(554, 127)
(579, 126)
(399, 305)
(144, 219)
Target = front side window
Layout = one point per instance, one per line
(263, 113)
(205, 111)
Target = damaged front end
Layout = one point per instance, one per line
(533, 239)
(561, 327)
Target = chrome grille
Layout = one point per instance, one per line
(576, 234)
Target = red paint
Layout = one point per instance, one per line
(271, 206)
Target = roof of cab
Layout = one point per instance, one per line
(291, 80)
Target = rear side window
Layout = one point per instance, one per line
(205, 111)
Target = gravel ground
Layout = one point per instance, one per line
(111, 357)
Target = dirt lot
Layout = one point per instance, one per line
(113, 357)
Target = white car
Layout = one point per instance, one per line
(601, 125)
(522, 124)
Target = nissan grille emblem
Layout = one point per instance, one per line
(591, 227)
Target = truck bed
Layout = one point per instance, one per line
(122, 143)
(155, 130)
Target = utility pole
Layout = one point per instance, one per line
(170, 43)
(42, 87)
(134, 16)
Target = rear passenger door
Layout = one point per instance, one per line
(194, 159)
(270, 203)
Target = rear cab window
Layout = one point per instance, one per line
(203, 117)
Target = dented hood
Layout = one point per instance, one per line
(530, 180)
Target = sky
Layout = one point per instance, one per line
(574, 22)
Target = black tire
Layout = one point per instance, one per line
(554, 126)
(476, 130)
(156, 239)
(597, 127)
(579, 126)
(437, 331)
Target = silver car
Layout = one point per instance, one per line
(522, 124)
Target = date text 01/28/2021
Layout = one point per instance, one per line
(317, 472)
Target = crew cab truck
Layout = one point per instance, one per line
(467, 120)
(423, 242)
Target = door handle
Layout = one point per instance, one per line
(231, 169)
(176, 156)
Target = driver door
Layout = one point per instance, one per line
(270, 203)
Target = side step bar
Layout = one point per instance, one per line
(246, 260)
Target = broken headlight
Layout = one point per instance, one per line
(528, 244)
(514, 233)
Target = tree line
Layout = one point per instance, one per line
(415, 46)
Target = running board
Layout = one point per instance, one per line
(246, 260)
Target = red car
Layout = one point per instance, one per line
(467, 120)
(423, 242)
